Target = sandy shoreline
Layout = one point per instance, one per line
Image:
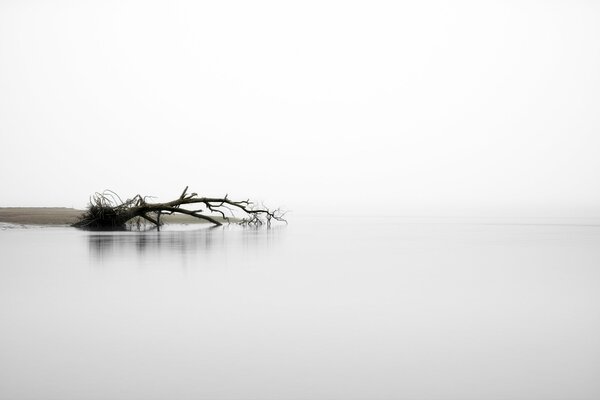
(39, 215)
(64, 216)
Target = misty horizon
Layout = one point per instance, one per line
(436, 108)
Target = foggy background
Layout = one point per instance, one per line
(347, 107)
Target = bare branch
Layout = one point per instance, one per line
(108, 211)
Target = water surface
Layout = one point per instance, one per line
(330, 308)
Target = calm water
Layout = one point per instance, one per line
(320, 309)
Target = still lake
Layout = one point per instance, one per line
(330, 308)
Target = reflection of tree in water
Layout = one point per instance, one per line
(198, 241)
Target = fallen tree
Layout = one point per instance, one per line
(107, 211)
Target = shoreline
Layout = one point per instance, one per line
(60, 216)
(39, 215)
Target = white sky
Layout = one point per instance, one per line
(406, 107)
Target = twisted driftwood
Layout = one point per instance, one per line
(107, 211)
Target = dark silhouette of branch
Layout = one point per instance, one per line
(107, 211)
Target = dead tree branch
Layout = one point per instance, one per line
(107, 211)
